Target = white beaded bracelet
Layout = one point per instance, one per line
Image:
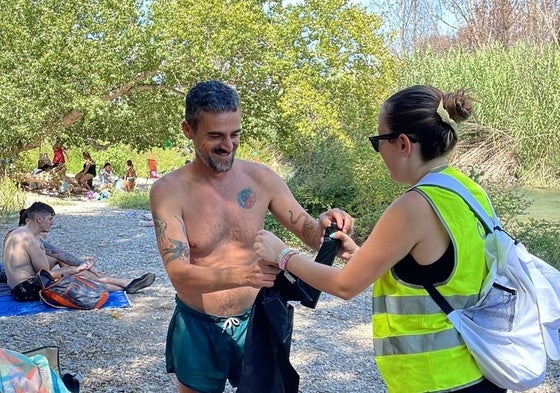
(284, 257)
(282, 254)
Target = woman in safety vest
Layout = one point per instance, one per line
(427, 235)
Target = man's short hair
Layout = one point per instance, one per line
(36, 209)
(210, 96)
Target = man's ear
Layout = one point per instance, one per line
(187, 129)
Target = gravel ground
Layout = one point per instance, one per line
(122, 350)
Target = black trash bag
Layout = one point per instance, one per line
(266, 360)
(294, 288)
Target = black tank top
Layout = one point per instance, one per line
(409, 271)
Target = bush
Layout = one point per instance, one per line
(12, 199)
(542, 238)
(138, 200)
(351, 178)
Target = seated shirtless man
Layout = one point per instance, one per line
(25, 253)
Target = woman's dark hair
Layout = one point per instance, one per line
(22, 217)
(429, 114)
(37, 208)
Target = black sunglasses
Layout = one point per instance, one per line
(374, 139)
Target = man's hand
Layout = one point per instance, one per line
(261, 274)
(344, 221)
(88, 264)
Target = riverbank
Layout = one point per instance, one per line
(122, 350)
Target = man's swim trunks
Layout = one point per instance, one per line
(27, 290)
(204, 350)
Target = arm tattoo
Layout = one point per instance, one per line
(61, 255)
(292, 221)
(309, 227)
(176, 250)
(160, 226)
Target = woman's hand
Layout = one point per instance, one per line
(347, 245)
(268, 246)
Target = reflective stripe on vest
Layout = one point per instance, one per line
(417, 348)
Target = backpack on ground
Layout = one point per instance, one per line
(71, 291)
(514, 326)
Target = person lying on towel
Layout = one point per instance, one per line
(25, 253)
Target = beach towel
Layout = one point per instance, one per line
(9, 307)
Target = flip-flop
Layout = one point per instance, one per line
(140, 283)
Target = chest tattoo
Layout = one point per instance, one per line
(246, 198)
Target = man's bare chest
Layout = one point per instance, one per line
(217, 218)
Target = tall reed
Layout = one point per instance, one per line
(519, 94)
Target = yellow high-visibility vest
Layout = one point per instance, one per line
(417, 349)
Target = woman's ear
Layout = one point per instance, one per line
(406, 146)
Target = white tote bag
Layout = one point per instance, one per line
(514, 326)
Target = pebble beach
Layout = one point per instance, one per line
(121, 350)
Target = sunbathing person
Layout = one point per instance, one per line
(26, 253)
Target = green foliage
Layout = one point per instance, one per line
(12, 199)
(322, 177)
(517, 88)
(315, 68)
(138, 200)
(62, 68)
(375, 191)
(542, 238)
(332, 175)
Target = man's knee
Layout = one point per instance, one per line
(185, 389)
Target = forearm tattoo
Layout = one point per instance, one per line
(177, 249)
(61, 255)
(308, 229)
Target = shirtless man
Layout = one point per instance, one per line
(206, 216)
(25, 253)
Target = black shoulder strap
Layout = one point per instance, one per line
(438, 298)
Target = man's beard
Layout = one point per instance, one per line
(218, 166)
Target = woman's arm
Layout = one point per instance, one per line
(409, 221)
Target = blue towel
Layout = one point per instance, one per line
(9, 307)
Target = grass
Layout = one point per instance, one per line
(138, 200)
(517, 90)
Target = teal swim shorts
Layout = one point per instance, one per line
(205, 350)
